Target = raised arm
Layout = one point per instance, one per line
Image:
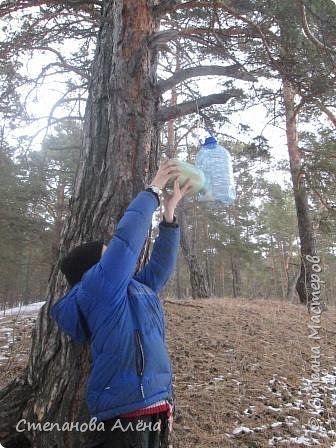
(161, 264)
(119, 259)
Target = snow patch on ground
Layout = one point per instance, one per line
(241, 430)
(16, 325)
(31, 308)
(319, 429)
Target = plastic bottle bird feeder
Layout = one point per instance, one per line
(215, 162)
(211, 177)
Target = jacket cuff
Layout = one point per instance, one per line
(154, 194)
(169, 224)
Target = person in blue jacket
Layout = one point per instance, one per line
(119, 313)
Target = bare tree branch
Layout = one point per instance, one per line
(173, 6)
(88, 6)
(64, 63)
(328, 112)
(307, 31)
(162, 37)
(233, 71)
(164, 6)
(234, 31)
(189, 107)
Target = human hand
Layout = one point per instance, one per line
(170, 201)
(166, 170)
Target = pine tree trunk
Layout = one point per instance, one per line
(27, 265)
(171, 153)
(178, 279)
(199, 285)
(118, 153)
(59, 216)
(235, 261)
(236, 277)
(223, 278)
(292, 280)
(301, 201)
(207, 271)
(284, 270)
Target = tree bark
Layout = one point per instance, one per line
(292, 280)
(119, 150)
(207, 275)
(200, 286)
(59, 215)
(178, 280)
(306, 233)
(236, 277)
(27, 268)
(274, 280)
(198, 282)
(284, 270)
(189, 107)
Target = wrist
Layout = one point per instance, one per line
(156, 184)
(155, 187)
(169, 224)
(168, 216)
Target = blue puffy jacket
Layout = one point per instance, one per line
(122, 317)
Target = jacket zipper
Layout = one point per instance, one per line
(140, 368)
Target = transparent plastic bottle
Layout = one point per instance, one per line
(216, 164)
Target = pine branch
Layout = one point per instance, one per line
(64, 63)
(172, 7)
(10, 6)
(163, 37)
(167, 6)
(307, 31)
(190, 107)
(163, 7)
(328, 112)
(233, 71)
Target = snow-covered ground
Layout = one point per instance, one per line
(31, 308)
(16, 325)
(319, 430)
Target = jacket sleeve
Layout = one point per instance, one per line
(69, 318)
(119, 260)
(161, 264)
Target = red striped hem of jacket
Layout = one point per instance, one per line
(153, 409)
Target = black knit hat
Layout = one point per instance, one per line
(80, 260)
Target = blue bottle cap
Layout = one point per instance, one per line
(210, 141)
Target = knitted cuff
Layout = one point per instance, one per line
(169, 224)
(155, 194)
